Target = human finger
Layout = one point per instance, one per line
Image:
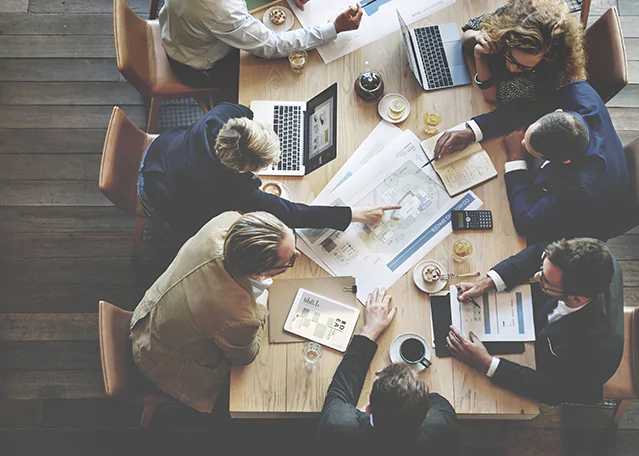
(389, 208)
(369, 299)
(452, 344)
(457, 334)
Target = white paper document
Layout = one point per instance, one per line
(379, 20)
(321, 320)
(379, 255)
(502, 317)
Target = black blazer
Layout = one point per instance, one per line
(576, 354)
(187, 185)
(344, 428)
(586, 197)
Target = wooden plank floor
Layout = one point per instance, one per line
(63, 247)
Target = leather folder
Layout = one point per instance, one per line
(282, 294)
(442, 319)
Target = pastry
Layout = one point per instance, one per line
(277, 16)
(431, 273)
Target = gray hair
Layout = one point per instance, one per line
(244, 145)
(252, 242)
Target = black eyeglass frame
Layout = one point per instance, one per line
(509, 57)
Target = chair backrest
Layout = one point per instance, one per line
(606, 54)
(131, 47)
(115, 349)
(625, 383)
(124, 146)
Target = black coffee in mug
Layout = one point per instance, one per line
(412, 350)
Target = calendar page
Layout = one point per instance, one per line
(321, 320)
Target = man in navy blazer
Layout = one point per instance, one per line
(581, 188)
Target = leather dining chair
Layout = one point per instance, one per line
(606, 55)
(143, 63)
(124, 146)
(624, 385)
(122, 379)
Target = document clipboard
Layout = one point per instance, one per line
(282, 294)
(442, 319)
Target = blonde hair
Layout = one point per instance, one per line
(252, 242)
(547, 26)
(244, 145)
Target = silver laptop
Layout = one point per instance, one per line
(307, 132)
(435, 55)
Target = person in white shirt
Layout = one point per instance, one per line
(579, 323)
(201, 38)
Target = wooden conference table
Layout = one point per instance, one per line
(276, 383)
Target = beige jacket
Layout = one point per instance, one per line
(196, 320)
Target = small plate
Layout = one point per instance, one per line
(286, 193)
(384, 103)
(428, 287)
(288, 23)
(395, 357)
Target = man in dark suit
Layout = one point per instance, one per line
(581, 188)
(578, 304)
(401, 414)
(190, 175)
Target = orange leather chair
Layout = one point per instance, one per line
(624, 385)
(607, 66)
(124, 146)
(122, 380)
(142, 61)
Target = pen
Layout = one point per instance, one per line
(367, 3)
(429, 161)
(459, 290)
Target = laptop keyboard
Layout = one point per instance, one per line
(286, 123)
(431, 48)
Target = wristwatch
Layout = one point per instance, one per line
(487, 84)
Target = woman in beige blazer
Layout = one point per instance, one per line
(200, 316)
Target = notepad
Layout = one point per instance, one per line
(461, 170)
(322, 320)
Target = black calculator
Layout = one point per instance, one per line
(472, 220)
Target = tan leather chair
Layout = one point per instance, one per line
(124, 146)
(122, 380)
(624, 385)
(142, 61)
(606, 54)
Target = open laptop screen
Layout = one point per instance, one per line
(321, 129)
(410, 50)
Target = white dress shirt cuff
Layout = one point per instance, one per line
(494, 364)
(475, 128)
(500, 285)
(328, 31)
(515, 165)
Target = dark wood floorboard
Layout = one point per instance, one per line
(65, 247)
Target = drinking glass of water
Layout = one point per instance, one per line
(311, 353)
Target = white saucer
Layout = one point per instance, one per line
(288, 22)
(384, 103)
(286, 193)
(427, 287)
(395, 357)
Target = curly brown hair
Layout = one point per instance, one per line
(535, 26)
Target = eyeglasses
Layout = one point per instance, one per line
(290, 262)
(509, 57)
(541, 281)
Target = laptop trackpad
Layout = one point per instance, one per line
(454, 53)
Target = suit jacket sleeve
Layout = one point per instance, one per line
(339, 413)
(240, 341)
(549, 217)
(439, 428)
(506, 119)
(518, 268)
(297, 215)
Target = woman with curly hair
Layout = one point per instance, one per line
(524, 49)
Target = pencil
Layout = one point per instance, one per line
(367, 3)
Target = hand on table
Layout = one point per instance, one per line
(300, 3)
(349, 19)
(370, 215)
(452, 141)
(470, 352)
(515, 150)
(377, 315)
(475, 289)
